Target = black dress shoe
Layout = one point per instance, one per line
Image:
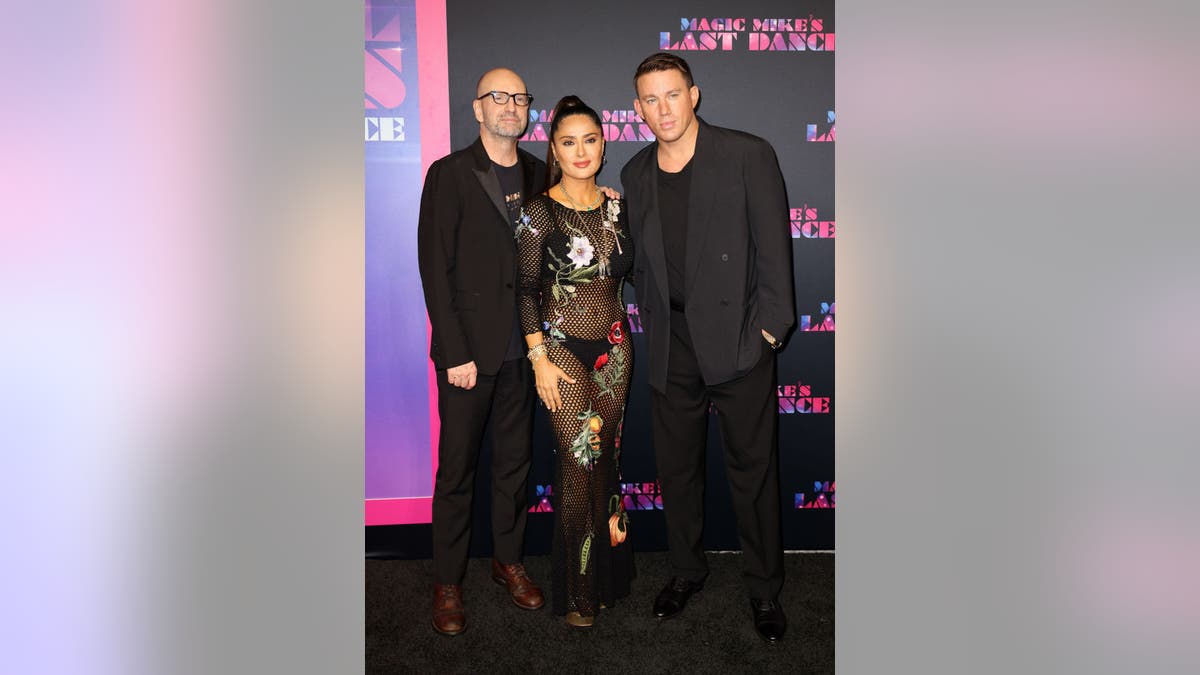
(769, 620)
(674, 596)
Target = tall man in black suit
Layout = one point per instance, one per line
(470, 207)
(714, 285)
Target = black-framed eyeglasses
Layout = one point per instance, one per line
(501, 98)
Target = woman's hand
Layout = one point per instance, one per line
(547, 376)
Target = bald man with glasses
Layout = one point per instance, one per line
(470, 208)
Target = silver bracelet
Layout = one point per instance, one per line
(536, 352)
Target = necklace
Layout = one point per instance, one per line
(602, 264)
(593, 205)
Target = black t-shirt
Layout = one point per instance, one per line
(511, 180)
(673, 191)
(510, 184)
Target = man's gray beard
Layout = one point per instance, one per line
(499, 130)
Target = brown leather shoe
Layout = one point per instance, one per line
(449, 618)
(525, 594)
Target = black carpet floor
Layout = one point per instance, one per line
(714, 634)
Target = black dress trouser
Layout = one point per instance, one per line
(508, 397)
(746, 408)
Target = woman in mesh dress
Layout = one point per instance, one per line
(574, 254)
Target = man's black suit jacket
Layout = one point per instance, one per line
(738, 267)
(467, 256)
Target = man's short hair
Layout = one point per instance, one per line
(660, 62)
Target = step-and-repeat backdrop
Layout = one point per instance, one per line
(765, 67)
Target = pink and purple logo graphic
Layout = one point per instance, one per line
(618, 125)
(754, 35)
(384, 74)
(798, 398)
(635, 319)
(823, 133)
(823, 321)
(636, 496)
(807, 224)
(384, 77)
(385, 129)
(823, 496)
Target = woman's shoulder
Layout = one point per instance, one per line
(538, 204)
(540, 199)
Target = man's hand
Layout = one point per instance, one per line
(462, 376)
(609, 192)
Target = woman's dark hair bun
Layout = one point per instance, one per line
(566, 107)
(570, 101)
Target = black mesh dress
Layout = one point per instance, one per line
(572, 266)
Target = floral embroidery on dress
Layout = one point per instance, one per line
(615, 336)
(582, 264)
(586, 447)
(609, 372)
(584, 550)
(614, 210)
(581, 251)
(553, 328)
(523, 225)
(618, 521)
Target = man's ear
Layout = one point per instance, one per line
(477, 106)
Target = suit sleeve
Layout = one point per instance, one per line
(630, 227)
(771, 231)
(437, 238)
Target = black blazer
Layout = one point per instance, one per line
(738, 269)
(467, 257)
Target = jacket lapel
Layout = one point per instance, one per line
(700, 199)
(489, 181)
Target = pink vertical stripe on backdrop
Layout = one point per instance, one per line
(433, 84)
(399, 511)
